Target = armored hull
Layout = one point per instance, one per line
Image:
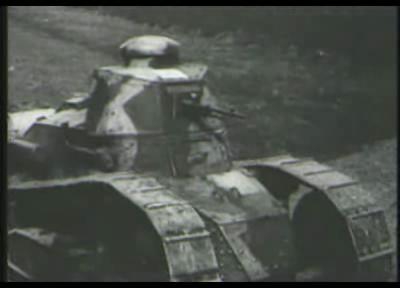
(272, 219)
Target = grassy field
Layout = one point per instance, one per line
(300, 100)
(344, 29)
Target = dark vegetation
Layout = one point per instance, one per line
(360, 32)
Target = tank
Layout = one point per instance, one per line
(134, 181)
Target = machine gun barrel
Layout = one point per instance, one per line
(211, 111)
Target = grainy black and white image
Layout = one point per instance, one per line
(202, 144)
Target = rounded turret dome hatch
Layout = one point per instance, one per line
(150, 46)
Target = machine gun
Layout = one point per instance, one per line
(207, 111)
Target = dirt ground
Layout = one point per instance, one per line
(53, 50)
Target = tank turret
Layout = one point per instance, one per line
(158, 110)
(151, 113)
